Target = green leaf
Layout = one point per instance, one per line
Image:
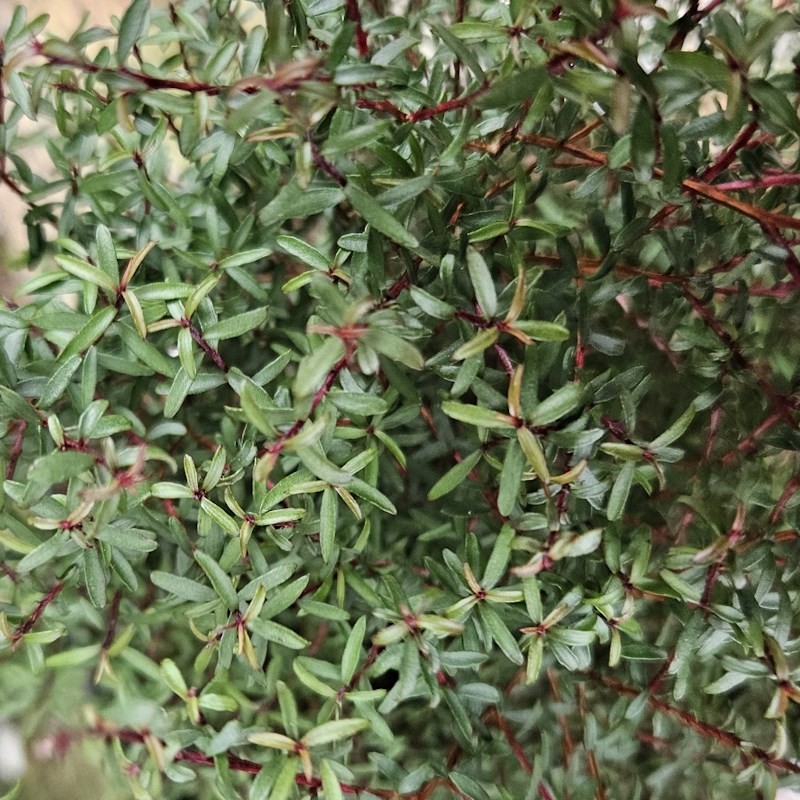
(59, 466)
(430, 305)
(675, 431)
(498, 560)
(641, 651)
(393, 346)
(173, 678)
(218, 515)
(331, 788)
(57, 383)
(620, 491)
(279, 634)
(219, 579)
(521, 85)
(304, 252)
(510, 478)
(134, 539)
(308, 679)
(477, 344)
(681, 586)
(643, 142)
(107, 254)
(43, 553)
(455, 476)
(501, 635)
(727, 682)
(89, 333)
(372, 495)
(459, 49)
(177, 393)
(146, 352)
(358, 404)
(405, 190)
(316, 463)
(562, 402)
(378, 217)
(244, 257)
(236, 326)
(132, 27)
(19, 93)
(95, 577)
(86, 272)
(186, 353)
(490, 231)
(776, 105)
(533, 453)
(292, 201)
(352, 650)
(542, 331)
(482, 283)
(185, 588)
(477, 415)
(327, 523)
(334, 731)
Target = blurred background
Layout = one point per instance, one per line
(65, 15)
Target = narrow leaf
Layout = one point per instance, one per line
(219, 579)
(378, 217)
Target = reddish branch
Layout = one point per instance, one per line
(494, 717)
(354, 15)
(704, 729)
(326, 166)
(693, 186)
(27, 625)
(422, 114)
(786, 179)
(16, 449)
(748, 444)
(283, 80)
(276, 446)
(113, 616)
(782, 404)
(787, 494)
(211, 352)
(447, 105)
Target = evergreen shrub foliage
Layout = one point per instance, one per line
(406, 402)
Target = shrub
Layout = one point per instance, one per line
(405, 406)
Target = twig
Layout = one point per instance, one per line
(25, 626)
(705, 729)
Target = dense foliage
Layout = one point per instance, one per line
(406, 402)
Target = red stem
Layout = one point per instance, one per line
(25, 626)
(16, 449)
(204, 345)
(705, 729)
(788, 179)
(354, 15)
